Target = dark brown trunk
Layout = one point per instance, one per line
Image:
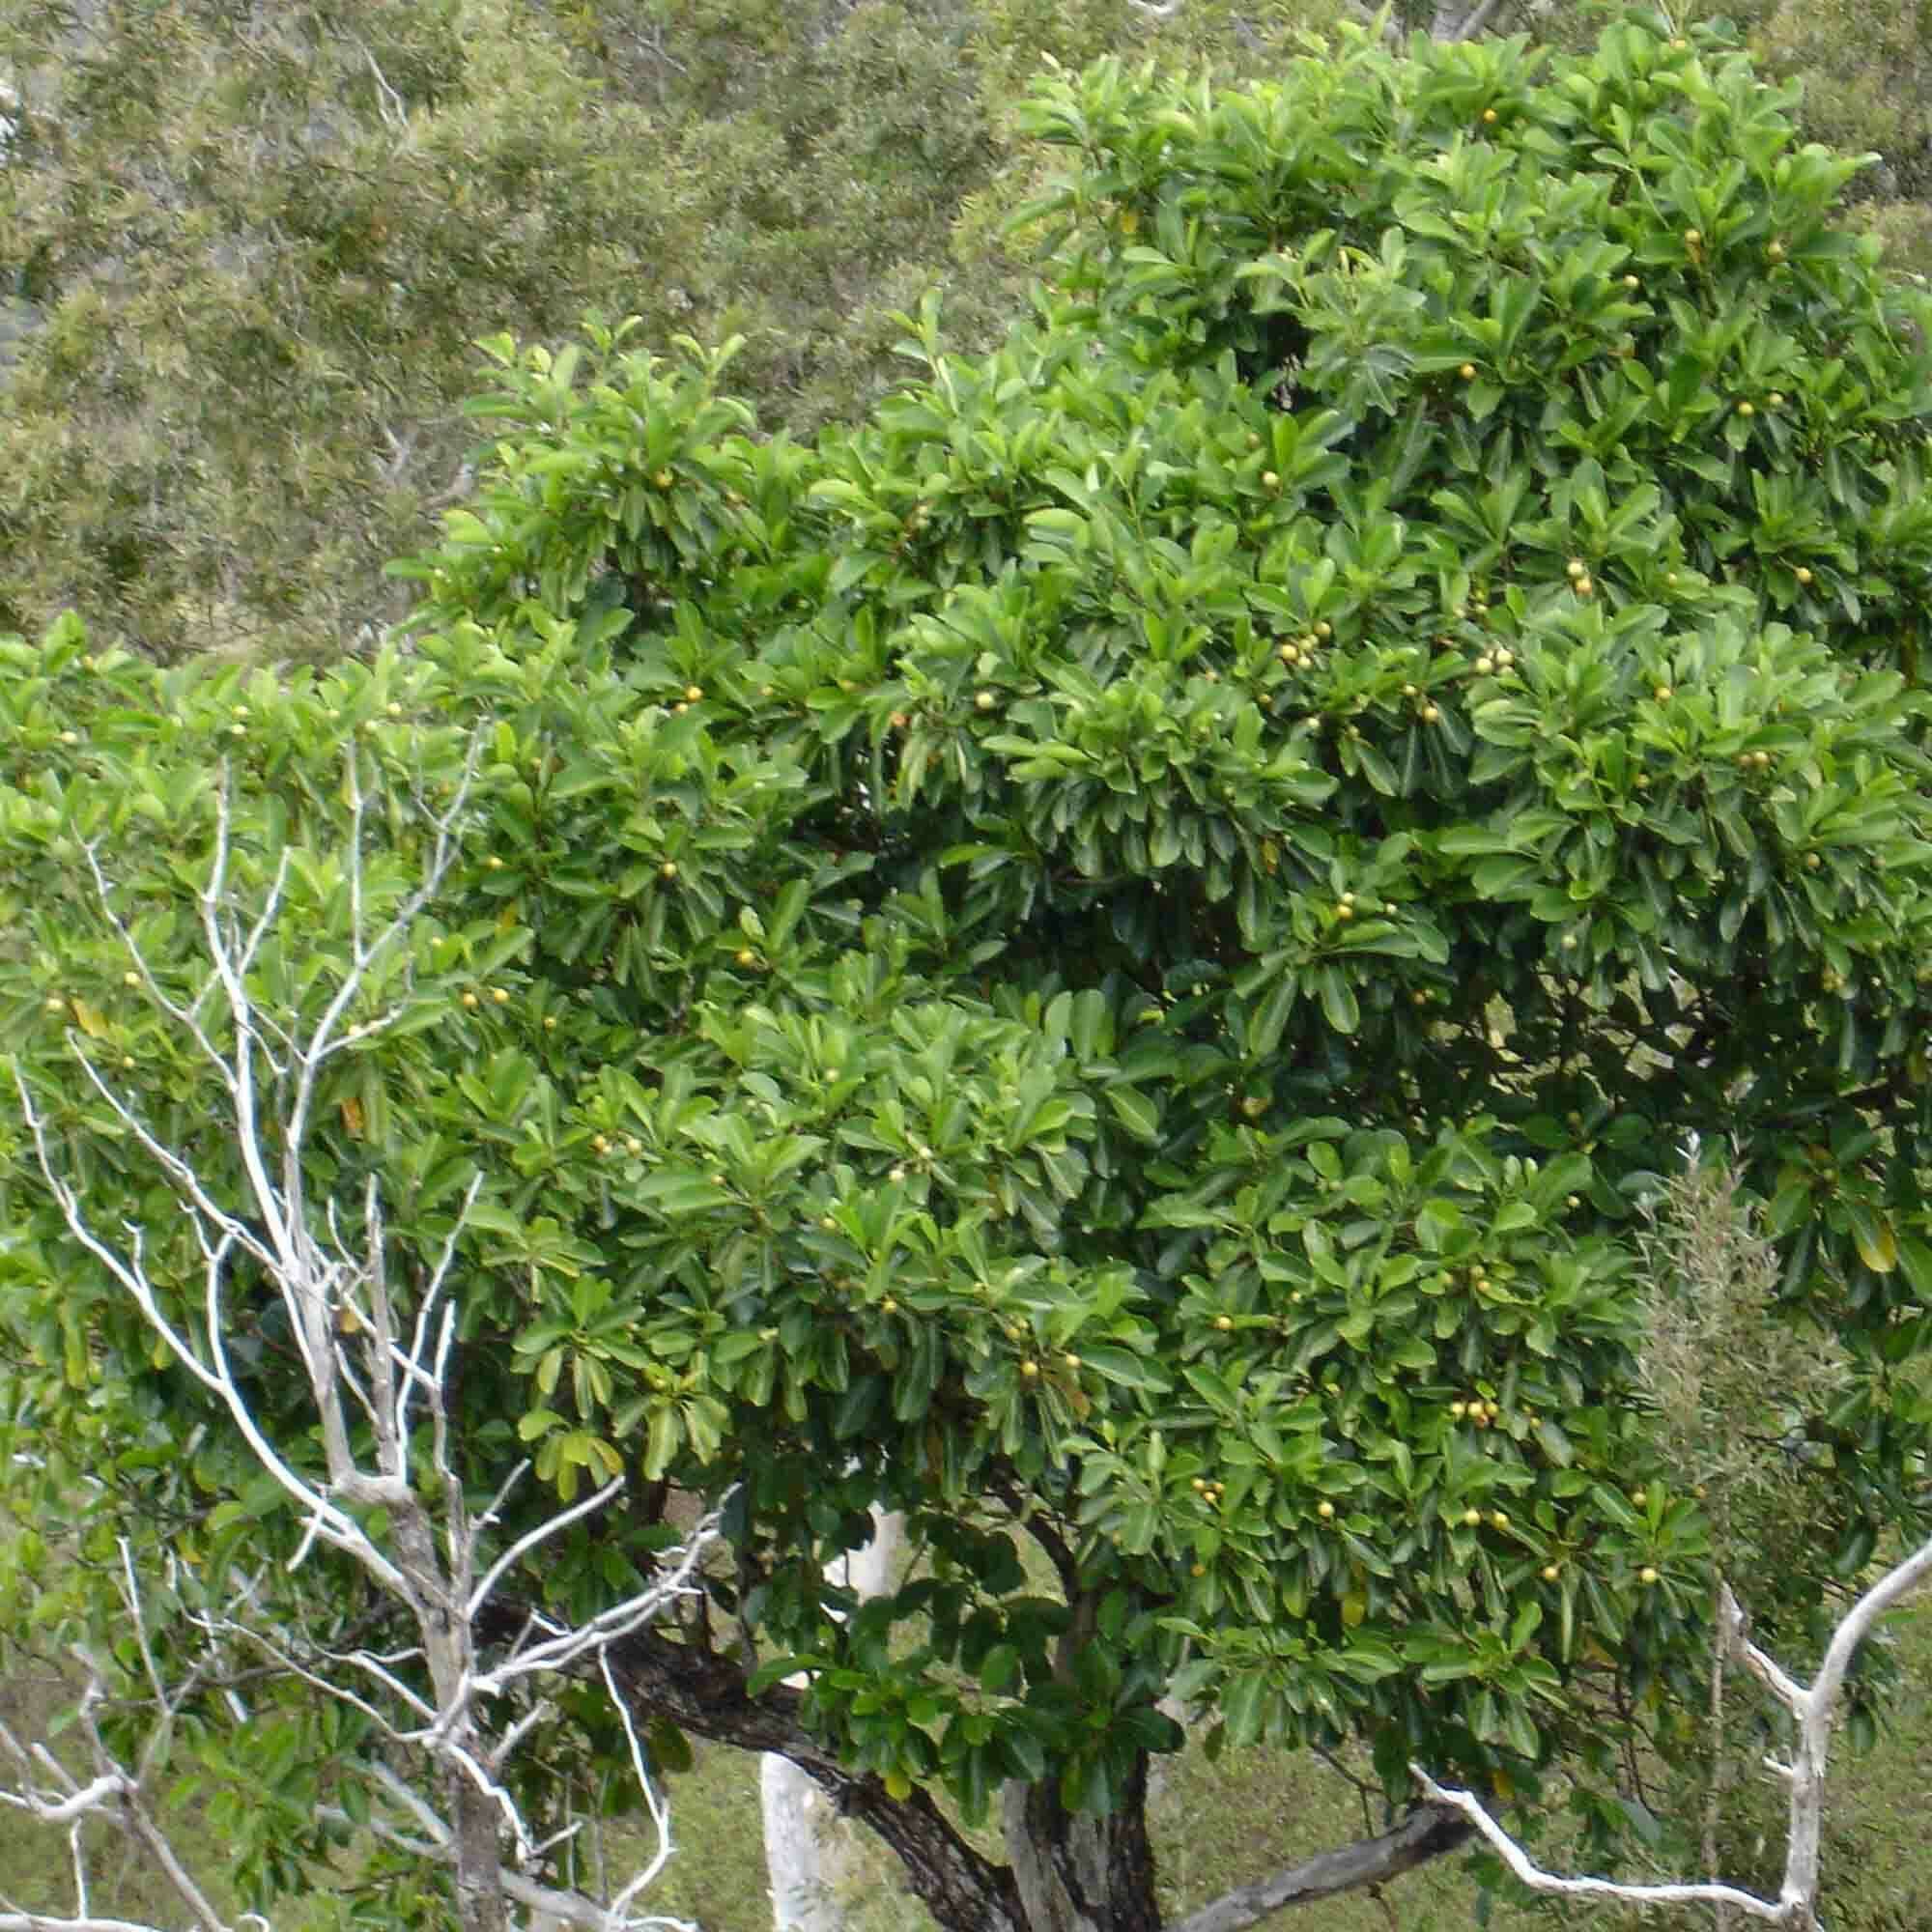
(1082, 1874)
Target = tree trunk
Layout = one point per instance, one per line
(808, 1851)
(1081, 1874)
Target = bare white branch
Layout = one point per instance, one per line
(370, 1361)
(1814, 1712)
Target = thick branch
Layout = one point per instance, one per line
(1429, 1831)
(705, 1693)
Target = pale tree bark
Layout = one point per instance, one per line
(808, 1851)
(1813, 1712)
(378, 1361)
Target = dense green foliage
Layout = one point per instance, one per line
(1110, 957)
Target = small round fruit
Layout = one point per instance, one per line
(471, 1001)
(985, 700)
(550, 1023)
(1775, 251)
(1471, 1518)
(830, 1226)
(1198, 1484)
(1070, 1363)
(1485, 665)
(662, 479)
(1812, 861)
(1499, 1519)
(1639, 1497)
(55, 1003)
(692, 693)
(1575, 568)
(889, 1306)
(1549, 1573)
(669, 869)
(1269, 480)
(1632, 282)
(1223, 1322)
(1747, 408)
(1431, 714)
(1345, 910)
(1467, 371)
(1803, 575)
(1662, 694)
(1775, 399)
(1693, 239)
(1325, 1510)
(1199, 1570)
(896, 1173)
(1646, 1575)
(633, 1146)
(746, 957)
(1459, 1409)
(493, 864)
(130, 978)
(1569, 942)
(1584, 587)
(1030, 1369)
(1325, 631)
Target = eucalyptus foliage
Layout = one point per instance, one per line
(1111, 958)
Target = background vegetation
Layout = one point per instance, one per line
(245, 250)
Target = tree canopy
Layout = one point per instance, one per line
(1111, 959)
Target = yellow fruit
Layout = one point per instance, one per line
(1471, 1518)
(550, 1023)
(1345, 911)
(1488, 116)
(669, 869)
(1584, 587)
(1775, 251)
(1803, 575)
(1693, 239)
(1576, 567)
(1459, 1409)
(471, 1000)
(1325, 631)
(1198, 1484)
(1632, 282)
(1639, 1497)
(130, 978)
(1070, 1363)
(1223, 1322)
(1325, 1510)
(889, 1306)
(662, 479)
(1549, 1573)
(1747, 410)
(1499, 1519)
(1030, 1369)
(493, 864)
(501, 995)
(1467, 371)
(746, 957)
(1662, 694)
(1646, 1575)
(1269, 480)
(1199, 1570)
(1431, 714)
(985, 700)
(692, 693)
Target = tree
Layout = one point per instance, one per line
(374, 1359)
(1110, 959)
